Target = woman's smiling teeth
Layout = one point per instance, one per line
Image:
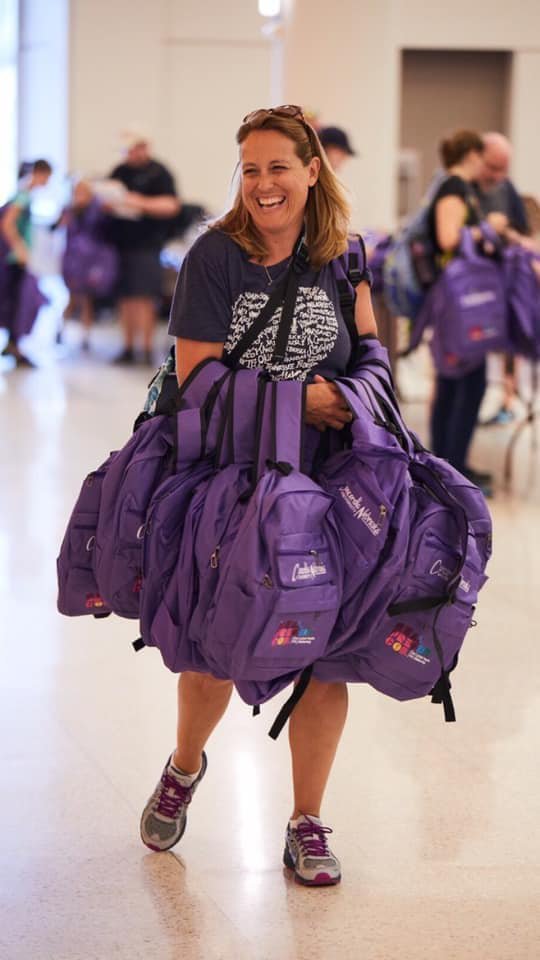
(270, 201)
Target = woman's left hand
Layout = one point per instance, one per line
(325, 406)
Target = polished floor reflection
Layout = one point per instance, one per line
(436, 825)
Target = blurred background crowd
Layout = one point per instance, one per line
(95, 222)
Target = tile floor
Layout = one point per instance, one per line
(436, 825)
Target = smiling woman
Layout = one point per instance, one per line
(250, 268)
(283, 161)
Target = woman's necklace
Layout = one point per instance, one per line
(270, 278)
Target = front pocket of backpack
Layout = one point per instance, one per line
(296, 629)
(82, 541)
(303, 559)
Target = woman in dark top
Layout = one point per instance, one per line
(457, 401)
(286, 186)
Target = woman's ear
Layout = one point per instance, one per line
(314, 169)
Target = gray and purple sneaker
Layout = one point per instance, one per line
(308, 854)
(164, 817)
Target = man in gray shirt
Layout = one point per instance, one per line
(496, 193)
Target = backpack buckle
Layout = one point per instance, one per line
(355, 276)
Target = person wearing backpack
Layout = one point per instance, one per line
(15, 246)
(286, 191)
(457, 400)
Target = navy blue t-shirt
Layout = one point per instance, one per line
(220, 293)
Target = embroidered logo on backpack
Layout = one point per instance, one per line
(94, 601)
(308, 571)
(361, 512)
(291, 632)
(405, 642)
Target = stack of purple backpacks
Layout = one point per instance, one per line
(480, 305)
(243, 560)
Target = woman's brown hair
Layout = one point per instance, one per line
(454, 149)
(327, 212)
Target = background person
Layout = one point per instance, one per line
(16, 226)
(286, 184)
(337, 146)
(153, 201)
(457, 401)
(497, 194)
(89, 262)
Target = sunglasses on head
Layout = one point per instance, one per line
(285, 110)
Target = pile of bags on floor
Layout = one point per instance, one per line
(477, 305)
(247, 553)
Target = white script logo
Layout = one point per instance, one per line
(360, 511)
(308, 571)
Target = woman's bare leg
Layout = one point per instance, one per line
(202, 701)
(315, 730)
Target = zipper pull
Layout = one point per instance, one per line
(267, 581)
(214, 559)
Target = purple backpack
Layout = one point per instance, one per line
(466, 307)
(89, 264)
(523, 295)
(137, 474)
(88, 544)
(198, 542)
(413, 623)
(366, 481)
(78, 591)
(280, 586)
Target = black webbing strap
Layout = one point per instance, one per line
(356, 273)
(298, 264)
(290, 704)
(275, 300)
(101, 616)
(441, 694)
(286, 319)
(138, 644)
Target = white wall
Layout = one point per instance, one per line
(345, 63)
(524, 125)
(186, 72)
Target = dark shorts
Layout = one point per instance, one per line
(139, 274)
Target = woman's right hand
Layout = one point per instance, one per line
(325, 406)
(499, 221)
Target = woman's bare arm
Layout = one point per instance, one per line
(364, 317)
(12, 235)
(191, 352)
(450, 216)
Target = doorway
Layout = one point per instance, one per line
(443, 91)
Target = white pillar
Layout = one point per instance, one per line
(43, 81)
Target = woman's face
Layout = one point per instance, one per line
(275, 182)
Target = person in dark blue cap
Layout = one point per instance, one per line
(337, 146)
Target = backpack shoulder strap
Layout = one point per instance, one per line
(351, 269)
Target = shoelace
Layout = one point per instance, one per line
(312, 838)
(172, 796)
